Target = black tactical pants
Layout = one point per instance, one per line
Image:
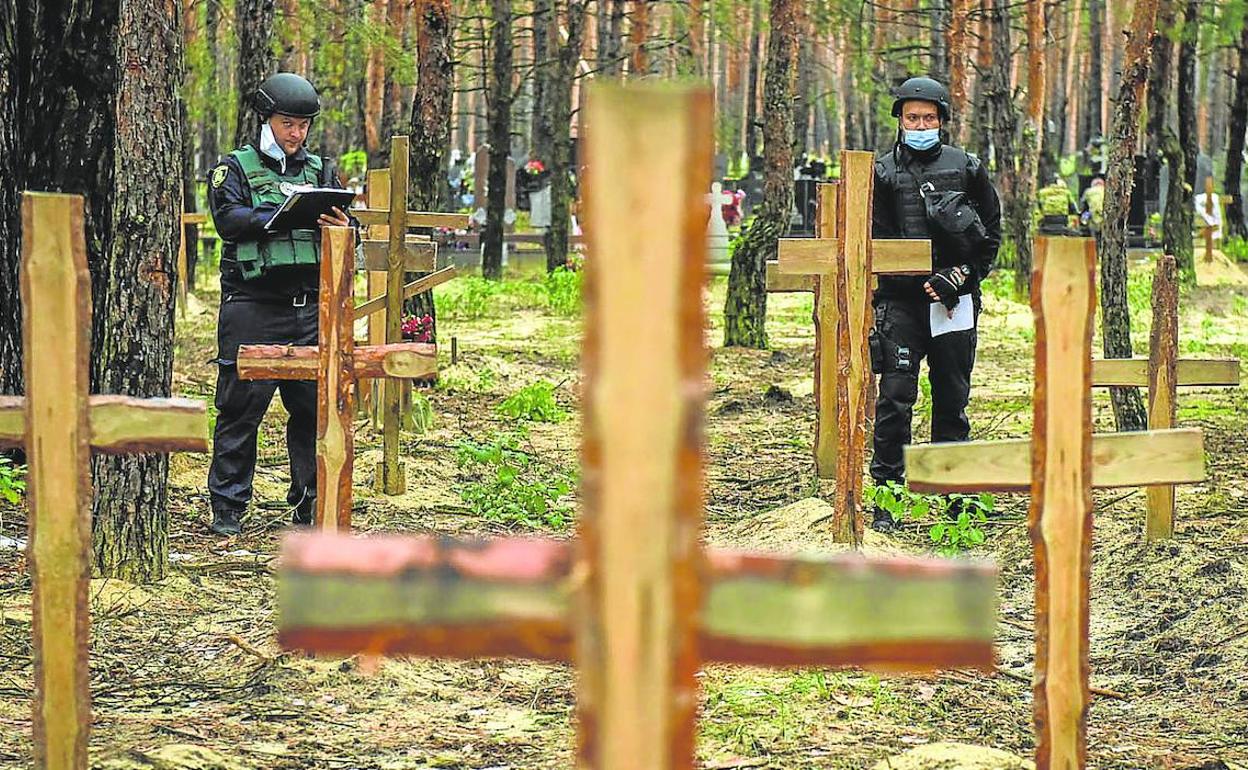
(903, 333)
(241, 404)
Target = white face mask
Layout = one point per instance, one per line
(270, 147)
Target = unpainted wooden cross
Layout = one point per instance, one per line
(636, 602)
(336, 363)
(842, 258)
(398, 255)
(184, 281)
(59, 424)
(1060, 465)
(1208, 229)
(1163, 372)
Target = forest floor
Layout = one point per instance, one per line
(187, 673)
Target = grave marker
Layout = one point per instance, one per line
(840, 267)
(336, 363)
(402, 254)
(636, 603)
(59, 425)
(184, 274)
(1162, 373)
(1063, 463)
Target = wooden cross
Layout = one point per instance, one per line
(398, 255)
(1162, 373)
(1061, 464)
(636, 603)
(336, 363)
(184, 281)
(841, 258)
(1208, 229)
(59, 424)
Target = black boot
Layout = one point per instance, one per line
(882, 521)
(305, 512)
(225, 522)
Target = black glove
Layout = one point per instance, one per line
(948, 282)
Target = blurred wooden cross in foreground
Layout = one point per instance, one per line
(397, 255)
(1162, 373)
(59, 425)
(1060, 465)
(336, 363)
(840, 263)
(636, 603)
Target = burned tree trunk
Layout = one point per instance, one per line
(1112, 244)
(133, 285)
(555, 239)
(745, 310)
(1232, 183)
(254, 21)
(430, 125)
(500, 139)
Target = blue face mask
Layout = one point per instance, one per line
(921, 140)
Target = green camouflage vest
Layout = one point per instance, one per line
(295, 247)
(1055, 200)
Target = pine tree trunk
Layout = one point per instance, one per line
(959, 22)
(938, 32)
(801, 104)
(745, 310)
(430, 125)
(979, 127)
(1093, 111)
(1112, 244)
(638, 38)
(1232, 183)
(751, 84)
(12, 176)
(210, 132)
(568, 55)
(374, 86)
(1181, 154)
(1019, 207)
(500, 139)
(545, 45)
(133, 285)
(254, 21)
(611, 37)
(1004, 121)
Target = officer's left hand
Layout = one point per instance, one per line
(337, 219)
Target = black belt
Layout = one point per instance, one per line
(298, 300)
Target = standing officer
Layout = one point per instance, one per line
(269, 283)
(918, 183)
(1057, 207)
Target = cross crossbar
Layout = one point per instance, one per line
(415, 360)
(419, 256)
(418, 286)
(123, 424)
(1133, 372)
(815, 256)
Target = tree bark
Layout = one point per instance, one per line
(639, 36)
(980, 130)
(1181, 151)
(1093, 110)
(610, 37)
(430, 125)
(1232, 183)
(500, 139)
(133, 285)
(751, 85)
(254, 21)
(1019, 206)
(374, 84)
(959, 22)
(568, 56)
(938, 37)
(545, 44)
(1116, 315)
(1004, 120)
(801, 104)
(745, 309)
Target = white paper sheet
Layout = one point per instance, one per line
(963, 317)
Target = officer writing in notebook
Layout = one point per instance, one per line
(927, 189)
(269, 282)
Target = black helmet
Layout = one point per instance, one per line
(922, 89)
(288, 94)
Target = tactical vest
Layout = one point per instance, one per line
(294, 247)
(1054, 200)
(1095, 198)
(947, 173)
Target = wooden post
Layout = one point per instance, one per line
(1209, 210)
(643, 478)
(59, 424)
(1163, 372)
(1064, 302)
(1066, 461)
(378, 198)
(635, 602)
(827, 435)
(335, 403)
(819, 264)
(391, 477)
(853, 325)
(1162, 381)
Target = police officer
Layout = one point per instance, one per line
(917, 168)
(269, 283)
(1057, 206)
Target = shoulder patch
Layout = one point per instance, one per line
(218, 175)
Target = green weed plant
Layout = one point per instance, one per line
(956, 520)
(533, 403)
(12, 480)
(514, 487)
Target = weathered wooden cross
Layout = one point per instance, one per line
(636, 602)
(397, 255)
(184, 274)
(1061, 464)
(1162, 373)
(59, 424)
(842, 258)
(336, 363)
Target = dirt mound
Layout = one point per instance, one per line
(800, 527)
(954, 756)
